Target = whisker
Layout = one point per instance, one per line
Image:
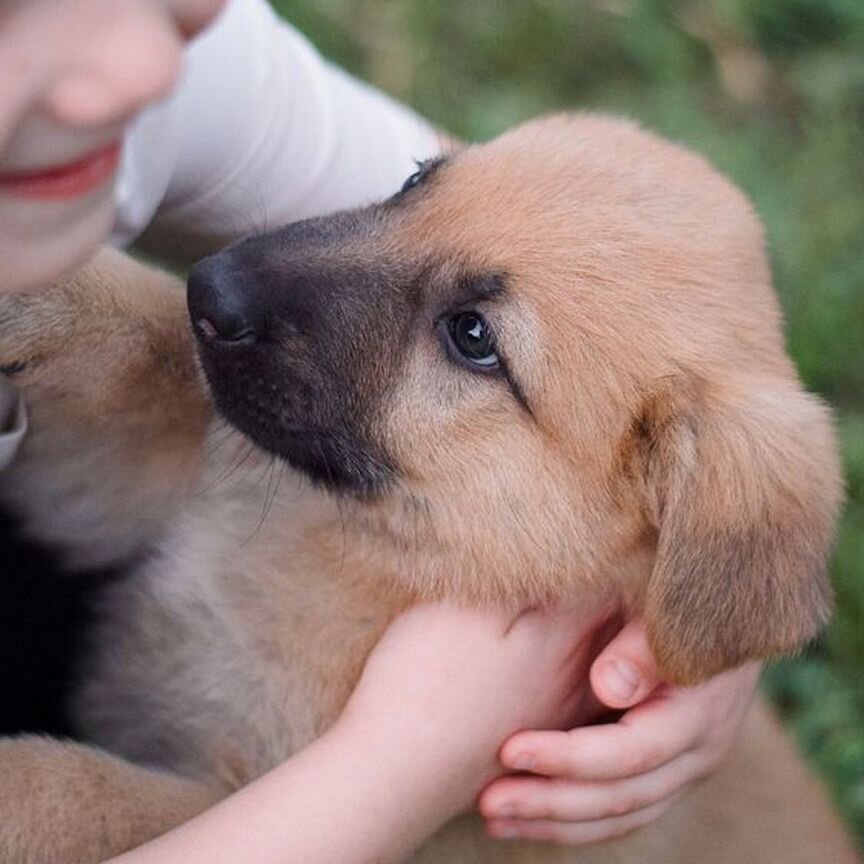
(237, 464)
(338, 500)
(269, 494)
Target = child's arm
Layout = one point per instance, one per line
(600, 782)
(261, 131)
(413, 748)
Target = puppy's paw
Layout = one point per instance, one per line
(65, 802)
(105, 330)
(33, 328)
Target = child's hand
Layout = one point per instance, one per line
(446, 685)
(599, 782)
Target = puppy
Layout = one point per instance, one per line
(550, 367)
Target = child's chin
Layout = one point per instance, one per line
(39, 252)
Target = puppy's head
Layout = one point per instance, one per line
(551, 363)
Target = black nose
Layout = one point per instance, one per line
(220, 306)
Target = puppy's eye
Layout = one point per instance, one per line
(414, 178)
(425, 169)
(470, 335)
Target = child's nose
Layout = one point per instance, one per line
(132, 61)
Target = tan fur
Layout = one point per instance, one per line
(105, 371)
(63, 802)
(671, 462)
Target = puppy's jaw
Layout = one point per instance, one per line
(275, 409)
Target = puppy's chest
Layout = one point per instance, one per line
(279, 618)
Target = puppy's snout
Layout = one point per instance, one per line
(220, 307)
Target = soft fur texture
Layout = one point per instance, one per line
(646, 438)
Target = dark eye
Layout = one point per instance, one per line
(413, 179)
(471, 336)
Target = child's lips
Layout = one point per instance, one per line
(64, 182)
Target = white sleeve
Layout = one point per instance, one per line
(261, 131)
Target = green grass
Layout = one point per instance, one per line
(773, 92)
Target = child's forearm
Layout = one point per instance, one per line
(345, 799)
(415, 744)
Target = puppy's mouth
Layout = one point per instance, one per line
(264, 407)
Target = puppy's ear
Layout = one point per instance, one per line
(743, 490)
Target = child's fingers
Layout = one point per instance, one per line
(625, 672)
(644, 739)
(575, 833)
(583, 801)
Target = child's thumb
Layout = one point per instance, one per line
(625, 672)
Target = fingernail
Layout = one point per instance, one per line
(523, 762)
(622, 679)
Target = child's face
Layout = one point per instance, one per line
(72, 74)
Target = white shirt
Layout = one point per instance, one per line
(261, 131)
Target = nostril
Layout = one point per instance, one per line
(206, 330)
(238, 333)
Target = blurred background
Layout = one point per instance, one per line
(773, 92)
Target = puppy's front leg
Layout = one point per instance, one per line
(117, 414)
(63, 803)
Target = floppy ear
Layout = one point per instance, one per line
(744, 490)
